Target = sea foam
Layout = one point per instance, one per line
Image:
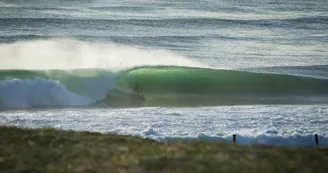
(18, 93)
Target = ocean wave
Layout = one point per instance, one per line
(162, 86)
(170, 22)
(185, 86)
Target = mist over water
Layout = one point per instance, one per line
(75, 54)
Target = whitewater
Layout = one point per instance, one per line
(207, 69)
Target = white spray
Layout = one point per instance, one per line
(71, 54)
(74, 54)
(37, 92)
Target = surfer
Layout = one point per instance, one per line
(137, 89)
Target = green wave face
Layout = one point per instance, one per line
(179, 86)
(195, 86)
(222, 82)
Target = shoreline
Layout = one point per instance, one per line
(52, 150)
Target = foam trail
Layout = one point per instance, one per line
(37, 92)
(74, 54)
(293, 141)
(3, 4)
(290, 125)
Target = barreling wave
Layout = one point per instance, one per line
(197, 86)
(160, 86)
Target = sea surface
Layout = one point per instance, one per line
(207, 69)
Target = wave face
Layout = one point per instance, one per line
(161, 86)
(196, 86)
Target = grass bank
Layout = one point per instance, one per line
(57, 151)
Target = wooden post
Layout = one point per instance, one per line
(234, 139)
(316, 140)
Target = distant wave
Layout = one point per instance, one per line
(302, 22)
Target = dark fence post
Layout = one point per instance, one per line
(234, 139)
(316, 140)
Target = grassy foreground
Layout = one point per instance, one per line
(56, 151)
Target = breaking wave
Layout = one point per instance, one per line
(37, 92)
(68, 72)
(161, 86)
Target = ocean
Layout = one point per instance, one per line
(207, 69)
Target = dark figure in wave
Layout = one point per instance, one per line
(137, 89)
